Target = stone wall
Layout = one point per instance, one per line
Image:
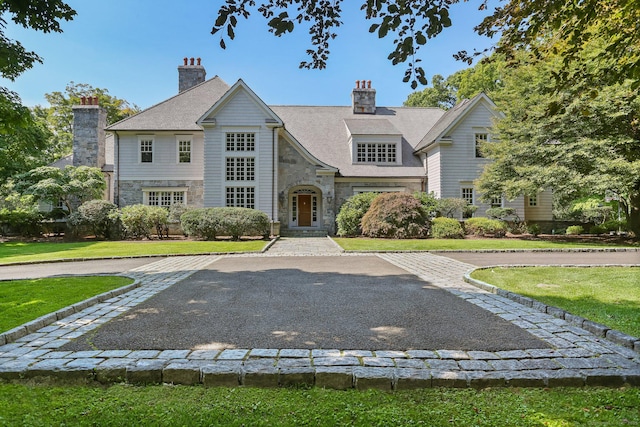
(344, 190)
(294, 171)
(131, 191)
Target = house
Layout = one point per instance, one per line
(218, 145)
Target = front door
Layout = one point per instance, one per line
(304, 210)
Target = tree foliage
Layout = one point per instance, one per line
(43, 15)
(24, 148)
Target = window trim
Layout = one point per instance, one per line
(147, 190)
(146, 138)
(248, 169)
(535, 199)
(184, 138)
(483, 137)
(496, 205)
(235, 148)
(376, 149)
(246, 194)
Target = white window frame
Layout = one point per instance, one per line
(155, 196)
(146, 139)
(471, 192)
(532, 201)
(240, 169)
(241, 197)
(479, 138)
(497, 202)
(182, 139)
(380, 153)
(240, 141)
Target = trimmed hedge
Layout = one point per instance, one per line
(349, 218)
(209, 223)
(446, 228)
(574, 230)
(396, 215)
(140, 220)
(481, 226)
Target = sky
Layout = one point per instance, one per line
(132, 48)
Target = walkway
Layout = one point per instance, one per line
(572, 356)
(304, 246)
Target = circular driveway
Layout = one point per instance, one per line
(349, 302)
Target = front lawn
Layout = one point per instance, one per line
(123, 405)
(363, 244)
(24, 300)
(12, 252)
(607, 295)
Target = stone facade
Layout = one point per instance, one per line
(295, 172)
(130, 192)
(89, 122)
(344, 190)
(363, 98)
(190, 75)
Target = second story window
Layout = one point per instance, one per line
(184, 150)
(146, 150)
(241, 141)
(240, 168)
(480, 138)
(376, 153)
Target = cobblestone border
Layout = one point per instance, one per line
(595, 328)
(33, 326)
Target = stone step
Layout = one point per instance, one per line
(304, 233)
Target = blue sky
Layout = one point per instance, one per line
(133, 49)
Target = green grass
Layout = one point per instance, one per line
(362, 244)
(607, 295)
(24, 300)
(122, 405)
(23, 252)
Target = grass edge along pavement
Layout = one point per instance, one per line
(188, 405)
(530, 299)
(35, 252)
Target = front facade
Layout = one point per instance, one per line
(219, 145)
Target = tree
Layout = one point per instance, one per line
(43, 15)
(71, 185)
(58, 117)
(24, 148)
(440, 95)
(576, 142)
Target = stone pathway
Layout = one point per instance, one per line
(304, 246)
(576, 357)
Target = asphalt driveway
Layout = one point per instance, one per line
(328, 302)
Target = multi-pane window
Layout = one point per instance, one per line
(480, 138)
(146, 150)
(496, 202)
(241, 141)
(376, 153)
(242, 197)
(533, 200)
(184, 150)
(467, 195)
(164, 198)
(240, 168)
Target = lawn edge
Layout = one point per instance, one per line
(600, 330)
(32, 326)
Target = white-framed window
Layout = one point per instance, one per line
(184, 143)
(241, 197)
(480, 138)
(496, 202)
(467, 194)
(376, 153)
(164, 197)
(240, 141)
(533, 200)
(240, 168)
(146, 149)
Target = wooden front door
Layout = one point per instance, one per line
(304, 210)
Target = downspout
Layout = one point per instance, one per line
(117, 189)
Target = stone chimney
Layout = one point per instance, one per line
(89, 121)
(363, 98)
(190, 74)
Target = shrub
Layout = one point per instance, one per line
(158, 217)
(449, 207)
(139, 220)
(533, 229)
(575, 230)
(428, 201)
(98, 215)
(597, 229)
(24, 222)
(396, 215)
(446, 228)
(177, 210)
(208, 223)
(500, 213)
(483, 226)
(349, 218)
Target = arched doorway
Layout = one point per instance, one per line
(305, 207)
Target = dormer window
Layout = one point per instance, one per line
(374, 141)
(376, 153)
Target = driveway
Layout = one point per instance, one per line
(345, 302)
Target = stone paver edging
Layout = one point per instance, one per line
(576, 357)
(595, 328)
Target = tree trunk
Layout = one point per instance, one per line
(633, 214)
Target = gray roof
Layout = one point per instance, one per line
(63, 162)
(371, 127)
(443, 124)
(323, 132)
(178, 113)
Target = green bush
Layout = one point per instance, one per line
(500, 213)
(446, 228)
(574, 230)
(396, 215)
(209, 223)
(23, 222)
(482, 226)
(99, 215)
(428, 201)
(533, 229)
(140, 220)
(177, 210)
(349, 218)
(449, 207)
(597, 229)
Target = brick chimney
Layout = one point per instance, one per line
(190, 74)
(89, 121)
(363, 98)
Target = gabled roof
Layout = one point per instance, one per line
(323, 132)
(178, 113)
(451, 118)
(240, 85)
(371, 127)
